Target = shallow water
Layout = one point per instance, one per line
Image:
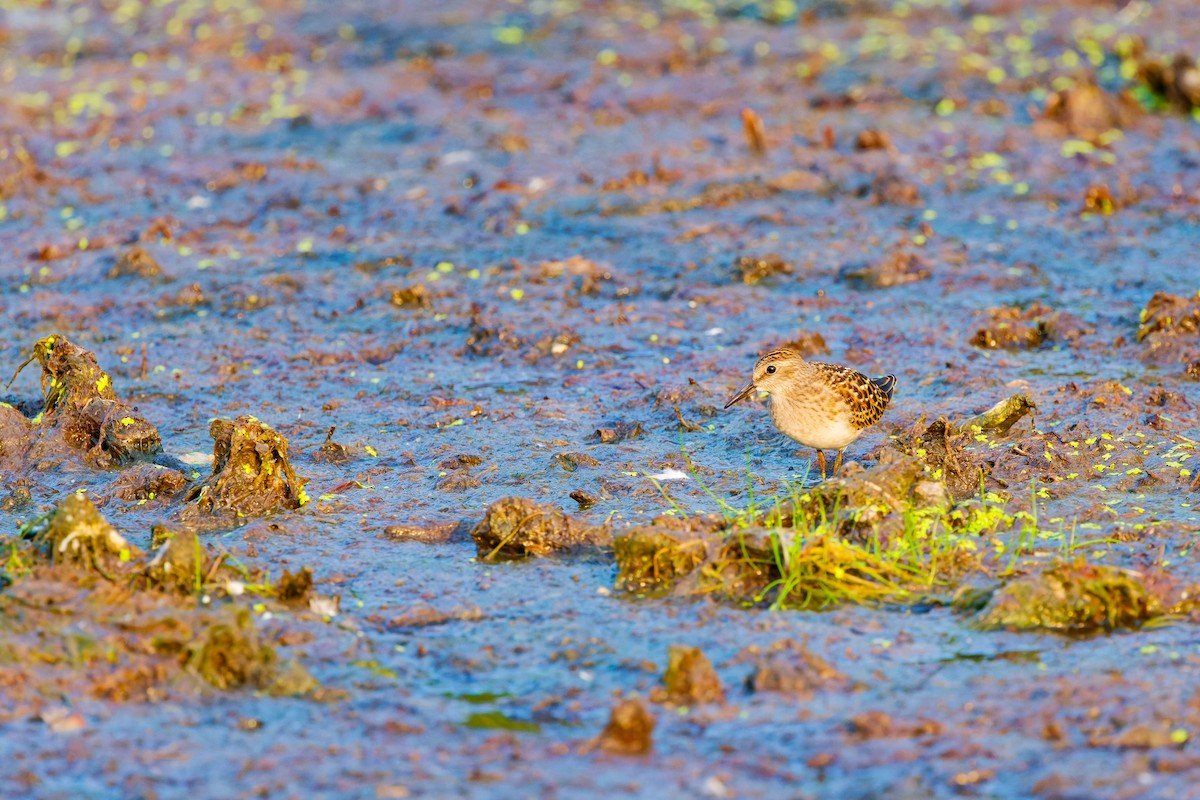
(377, 146)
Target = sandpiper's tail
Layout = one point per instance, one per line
(887, 383)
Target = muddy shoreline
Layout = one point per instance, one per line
(390, 326)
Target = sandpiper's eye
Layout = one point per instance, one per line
(771, 370)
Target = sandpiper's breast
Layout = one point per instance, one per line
(816, 419)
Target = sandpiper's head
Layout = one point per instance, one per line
(772, 371)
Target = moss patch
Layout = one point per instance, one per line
(1076, 597)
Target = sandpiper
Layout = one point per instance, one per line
(822, 406)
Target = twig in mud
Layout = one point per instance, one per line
(755, 131)
(24, 364)
(684, 424)
(216, 565)
(61, 610)
(96, 566)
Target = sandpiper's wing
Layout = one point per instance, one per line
(866, 398)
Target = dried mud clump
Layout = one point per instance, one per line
(1072, 598)
(897, 269)
(295, 587)
(415, 296)
(891, 189)
(181, 565)
(756, 269)
(251, 475)
(147, 483)
(690, 677)
(1087, 111)
(880, 725)
(619, 431)
(81, 411)
(554, 345)
(873, 139)
(230, 654)
(656, 556)
(1177, 82)
(628, 733)
(331, 452)
(18, 497)
(1012, 328)
(16, 437)
(571, 462)
(940, 447)
(1170, 329)
(583, 498)
(75, 533)
(583, 276)
(869, 501)
(514, 528)
(426, 532)
(136, 262)
(459, 480)
(487, 338)
(1063, 327)
(807, 343)
(790, 668)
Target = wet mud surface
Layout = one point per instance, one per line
(373, 334)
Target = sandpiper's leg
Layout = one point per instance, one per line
(821, 462)
(837, 465)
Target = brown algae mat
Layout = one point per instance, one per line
(369, 438)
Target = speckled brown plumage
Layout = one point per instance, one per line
(866, 397)
(823, 406)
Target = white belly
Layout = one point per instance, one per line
(814, 426)
(830, 435)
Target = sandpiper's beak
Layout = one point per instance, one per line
(742, 394)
